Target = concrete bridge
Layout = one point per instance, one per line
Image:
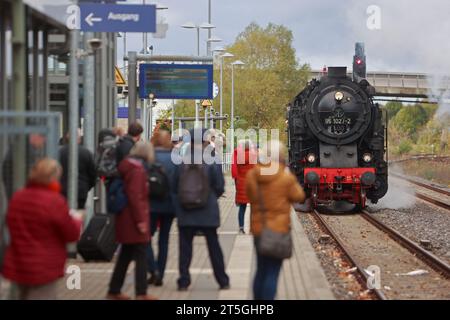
(399, 84)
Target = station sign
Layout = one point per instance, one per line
(176, 81)
(100, 17)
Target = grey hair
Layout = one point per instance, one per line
(143, 150)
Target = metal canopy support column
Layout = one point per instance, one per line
(73, 121)
(89, 97)
(132, 90)
(172, 122)
(3, 78)
(113, 80)
(89, 113)
(36, 83)
(144, 119)
(45, 89)
(19, 88)
(104, 89)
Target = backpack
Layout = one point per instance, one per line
(107, 158)
(116, 198)
(193, 187)
(158, 181)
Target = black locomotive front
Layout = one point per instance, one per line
(337, 140)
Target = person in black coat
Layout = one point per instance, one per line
(87, 174)
(205, 220)
(127, 142)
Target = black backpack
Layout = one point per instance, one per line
(106, 163)
(158, 181)
(193, 186)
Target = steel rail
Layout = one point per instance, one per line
(430, 259)
(421, 184)
(380, 295)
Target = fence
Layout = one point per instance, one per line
(24, 138)
(226, 162)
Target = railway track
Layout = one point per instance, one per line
(363, 275)
(367, 241)
(424, 196)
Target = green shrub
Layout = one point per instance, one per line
(404, 147)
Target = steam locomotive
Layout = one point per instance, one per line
(337, 140)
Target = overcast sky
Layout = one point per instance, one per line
(413, 36)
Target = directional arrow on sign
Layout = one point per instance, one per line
(101, 17)
(90, 19)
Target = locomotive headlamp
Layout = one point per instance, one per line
(367, 157)
(339, 96)
(311, 157)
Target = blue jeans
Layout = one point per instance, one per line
(266, 278)
(165, 223)
(242, 208)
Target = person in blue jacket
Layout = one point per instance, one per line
(204, 219)
(162, 211)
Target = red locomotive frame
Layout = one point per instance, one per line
(330, 189)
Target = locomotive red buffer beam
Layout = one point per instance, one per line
(329, 184)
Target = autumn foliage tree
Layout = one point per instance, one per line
(270, 78)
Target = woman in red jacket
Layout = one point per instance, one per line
(132, 224)
(40, 227)
(244, 159)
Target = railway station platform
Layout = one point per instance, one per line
(302, 277)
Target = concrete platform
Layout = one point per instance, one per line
(301, 278)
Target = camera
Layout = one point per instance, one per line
(95, 43)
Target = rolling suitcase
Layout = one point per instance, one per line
(98, 241)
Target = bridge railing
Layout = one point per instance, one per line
(400, 80)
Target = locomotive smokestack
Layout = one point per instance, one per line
(337, 72)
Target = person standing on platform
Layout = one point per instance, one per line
(132, 224)
(87, 174)
(162, 210)
(244, 159)
(271, 189)
(197, 185)
(40, 227)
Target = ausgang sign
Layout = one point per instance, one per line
(117, 18)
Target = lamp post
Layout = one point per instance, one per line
(205, 25)
(145, 34)
(222, 57)
(236, 63)
(208, 44)
(149, 122)
(208, 26)
(144, 106)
